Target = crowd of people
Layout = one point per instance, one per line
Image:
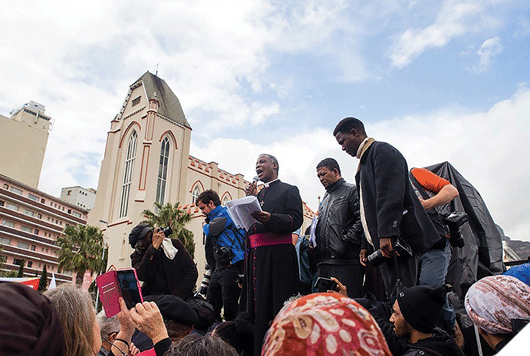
(380, 247)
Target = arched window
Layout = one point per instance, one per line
(195, 193)
(127, 174)
(226, 198)
(162, 171)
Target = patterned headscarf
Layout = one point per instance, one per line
(494, 301)
(324, 324)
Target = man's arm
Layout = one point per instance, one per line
(354, 233)
(444, 196)
(391, 175)
(445, 191)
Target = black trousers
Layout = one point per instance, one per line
(271, 277)
(224, 292)
(351, 275)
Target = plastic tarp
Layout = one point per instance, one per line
(482, 254)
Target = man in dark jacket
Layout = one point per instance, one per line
(414, 316)
(163, 264)
(339, 230)
(391, 213)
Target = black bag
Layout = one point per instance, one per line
(204, 311)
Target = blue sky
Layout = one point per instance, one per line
(441, 80)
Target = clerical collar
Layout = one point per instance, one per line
(269, 183)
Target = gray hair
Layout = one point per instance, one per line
(107, 325)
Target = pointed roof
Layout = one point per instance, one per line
(169, 105)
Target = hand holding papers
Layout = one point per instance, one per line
(240, 211)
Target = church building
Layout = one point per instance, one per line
(147, 160)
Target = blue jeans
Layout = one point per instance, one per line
(433, 269)
(433, 265)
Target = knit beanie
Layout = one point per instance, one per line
(421, 306)
(137, 233)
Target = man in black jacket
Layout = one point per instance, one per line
(391, 213)
(339, 230)
(414, 316)
(165, 267)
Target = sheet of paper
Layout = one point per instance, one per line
(240, 210)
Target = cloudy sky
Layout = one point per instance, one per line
(440, 80)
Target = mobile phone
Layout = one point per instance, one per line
(115, 284)
(324, 284)
(129, 287)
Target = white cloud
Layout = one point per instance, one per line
(455, 18)
(487, 51)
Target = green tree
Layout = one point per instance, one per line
(21, 269)
(81, 250)
(170, 215)
(43, 281)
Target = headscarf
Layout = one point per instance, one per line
(494, 301)
(324, 324)
(29, 324)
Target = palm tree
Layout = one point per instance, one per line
(174, 217)
(81, 250)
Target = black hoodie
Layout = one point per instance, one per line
(439, 344)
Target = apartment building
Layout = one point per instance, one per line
(30, 223)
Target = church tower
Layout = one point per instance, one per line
(145, 161)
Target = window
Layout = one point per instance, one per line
(2, 203)
(6, 186)
(16, 190)
(33, 247)
(162, 171)
(39, 215)
(195, 193)
(69, 211)
(30, 264)
(36, 231)
(69, 192)
(30, 213)
(43, 201)
(5, 241)
(76, 214)
(127, 174)
(23, 245)
(33, 197)
(136, 101)
(225, 199)
(8, 223)
(12, 206)
(26, 229)
(17, 261)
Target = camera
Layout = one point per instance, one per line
(324, 284)
(223, 256)
(402, 248)
(454, 221)
(203, 289)
(167, 231)
(376, 258)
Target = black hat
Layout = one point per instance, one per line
(175, 309)
(421, 306)
(137, 233)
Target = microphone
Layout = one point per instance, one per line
(255, 179)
